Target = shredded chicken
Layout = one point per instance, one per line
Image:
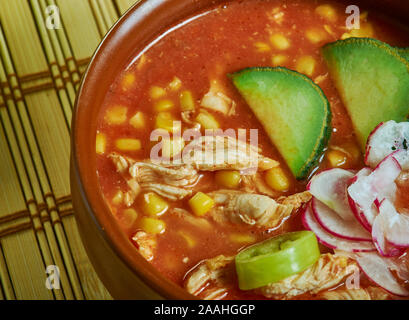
(185, 215)
(211, 153)
(146, 244)
(175, 181)
(255, 183)
(216, 100)
(370, 293)
(326, 273)
(171, 181)
(209, 278)
(253, 209)
(217, 275)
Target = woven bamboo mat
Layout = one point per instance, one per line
(40, 71)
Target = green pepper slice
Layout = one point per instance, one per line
(275, 259)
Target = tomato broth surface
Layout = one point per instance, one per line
(223, 40)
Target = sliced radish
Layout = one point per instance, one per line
(330, 187)
(395, 226)
(330, 240)
(384, 247)
(331, 222)
(377, 270)
(379, 184)
(387, 138)
(357, 211)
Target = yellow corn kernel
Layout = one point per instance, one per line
(128, 217)
(201, 204)
(279, 41)
(100, 143)
(327, 12)
(164, 105)
(138, 120)
(175, 84)
(128, 81)
(116, 115)
(187, 103)
(316, 35)
(152, 226)
(228, 178)
(365, 31)
(165, 120)
(278, 60)
(188, 238)
(337, 159)
(157, 92)
(267, 163)
(277, 180)
(242, 238)
(207, 121)
(172, 147)
(128, 144)
(262, 47)
(306, 65)
(118, 198)
(154, 205)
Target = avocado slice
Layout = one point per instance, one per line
(293, 111)
(373, 81)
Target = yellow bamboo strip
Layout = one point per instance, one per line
(93, 288)
(45, 241)
(5, 278)
(99, 17)
(124, 5)
(26, 46)
(60, 42)
(80, 27)
(25, 266)
(52, 136)
(109, 12)
(22, 253)
(56, 61)
(30, 146)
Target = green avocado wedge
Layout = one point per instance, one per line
(372, 79)
(293, 111)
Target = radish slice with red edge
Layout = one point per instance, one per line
(380, 184)
(331, 241)
(385, 139)
(330, 187)
(356, 210)
(331, 222)
(395, 225)
(384, 247)
(377, 270)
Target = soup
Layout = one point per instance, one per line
(195, 174)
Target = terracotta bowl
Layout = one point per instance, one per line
(123, 271)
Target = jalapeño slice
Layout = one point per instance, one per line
(275, 259)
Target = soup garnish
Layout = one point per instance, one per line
(277, 95)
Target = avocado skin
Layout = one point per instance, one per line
(260, 85)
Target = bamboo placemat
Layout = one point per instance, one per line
(40, 71)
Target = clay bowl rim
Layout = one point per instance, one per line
(83, 159)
